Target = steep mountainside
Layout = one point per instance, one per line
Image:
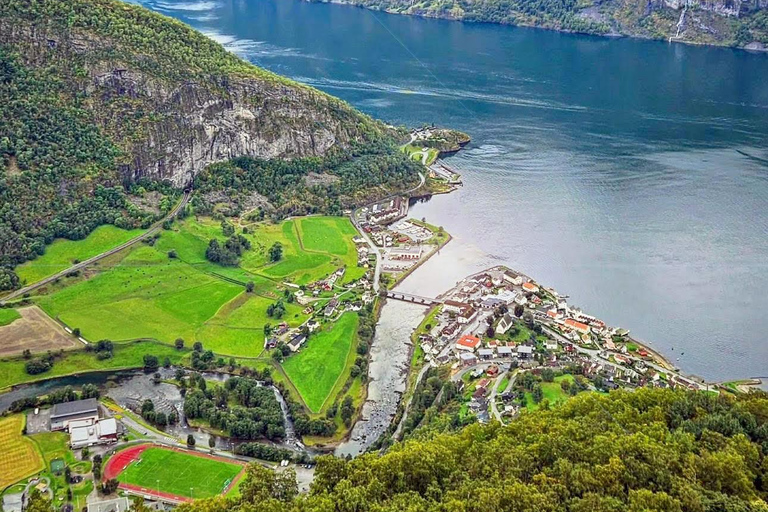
(98, 97)
(642, 451)
(739, 23)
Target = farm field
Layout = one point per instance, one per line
(33, 330)
(62, 253)
(316, 368)
(237, 329)
(128, 355)
(19, 457)
(179, 473)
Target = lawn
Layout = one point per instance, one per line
(179, 473)
(317, 367)
(62, 253)
(552, 392)
(19, 457)
(7, 316)
(129, 355)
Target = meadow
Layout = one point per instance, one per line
(179, 473)
(322, 361)
(19, 457)
(62, 253)
(552, 392)
(127, 355)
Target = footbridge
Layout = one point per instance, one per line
(415, 299)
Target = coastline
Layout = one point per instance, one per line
(608, 35)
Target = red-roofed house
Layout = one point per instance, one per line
(577, 326)
(530, 287)
(468, 342)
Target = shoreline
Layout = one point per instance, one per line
(608, 35)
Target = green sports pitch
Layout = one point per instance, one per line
(179, 473)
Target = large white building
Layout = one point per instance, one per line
(80, 413)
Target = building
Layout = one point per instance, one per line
(408, 252)
(466, 315)
(524, 351)
(115, 505)
(513, 278)
(467, 359)
(530, 287)
(550, 345)
(505, 324)
(297, 341)
(577, 326)
(331, 307)
(504, 351)
(80, 413)
(485, 353)
(103, 432)
(452, 306)
(468, 343)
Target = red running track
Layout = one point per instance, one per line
(121, 460)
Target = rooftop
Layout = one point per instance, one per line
(91, 405)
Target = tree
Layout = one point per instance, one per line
(76, 332)
(548, 375)
(172, 254)
(347, 410)
(150, 362)
(211, 442)
(179, 343)
(249, 286)
(110, 486)
(197, 347)
(519, 310)
(276, 252)
(190, 440)
(538, 393)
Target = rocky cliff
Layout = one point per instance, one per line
(171, 115)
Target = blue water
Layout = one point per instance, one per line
(632, 175)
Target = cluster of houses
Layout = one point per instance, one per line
(383, 213)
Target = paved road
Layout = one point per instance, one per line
(79, 266)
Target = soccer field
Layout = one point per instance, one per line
(179, 473)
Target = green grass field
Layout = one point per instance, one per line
(179, 473)
(8, 315)
(316, 368)
(129, 355)
(62, 253)
(237, 329)
(552, 392)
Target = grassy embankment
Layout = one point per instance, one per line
(7, 316)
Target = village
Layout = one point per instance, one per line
(498, 324)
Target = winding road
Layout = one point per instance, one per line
(90, 261)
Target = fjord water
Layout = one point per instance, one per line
(631, 175)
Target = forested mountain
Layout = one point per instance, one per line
(649, 450)
(99, 95)
(739, 23)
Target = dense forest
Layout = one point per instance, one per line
(648, 450)
(708, 23)
(364, 171)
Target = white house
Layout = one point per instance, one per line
(506, 323)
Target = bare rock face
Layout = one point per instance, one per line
(172, 129)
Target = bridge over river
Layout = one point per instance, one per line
(415, 299)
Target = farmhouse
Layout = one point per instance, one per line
(296, 342)
(80, 413)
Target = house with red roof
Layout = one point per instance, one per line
(468, 343)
